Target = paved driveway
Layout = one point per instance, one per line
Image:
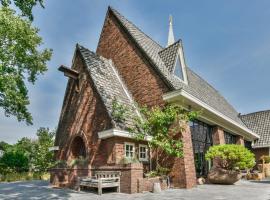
(243, 190)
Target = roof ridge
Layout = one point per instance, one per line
(256, 112)
(164, 49)
(124, 86)
(116, 13)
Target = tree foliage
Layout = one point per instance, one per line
(43, 158)
(29, 154)
(20, 60)
(26, 6)
(164, 126)
(231, 156)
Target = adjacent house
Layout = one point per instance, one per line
(130, 67)
(259, 122)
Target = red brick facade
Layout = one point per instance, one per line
(218, 136)
(82, 110)
(146, 86)
(84, 115)
(259, 152)
(143, 82)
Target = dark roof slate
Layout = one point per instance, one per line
(197, 86)
(109, 85)
(259, 122)
(169, 55)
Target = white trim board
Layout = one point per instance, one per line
(182, 93)
(116, 133)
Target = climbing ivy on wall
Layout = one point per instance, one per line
(164, 126)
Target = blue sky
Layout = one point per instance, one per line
(226, 42)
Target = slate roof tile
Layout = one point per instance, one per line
(197, 86)
(259, 122)
(109, 85)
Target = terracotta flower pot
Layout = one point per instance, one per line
(223, 176)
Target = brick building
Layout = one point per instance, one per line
(259, 122)
(130, 67)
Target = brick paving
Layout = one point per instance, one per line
(243, 190)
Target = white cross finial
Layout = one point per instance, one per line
(170, 36)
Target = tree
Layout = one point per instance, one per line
(19, 57)
(15, 160)
(4, 146)
(25, 6)
(164, 126)
(43, 158)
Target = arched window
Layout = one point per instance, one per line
(78, 148)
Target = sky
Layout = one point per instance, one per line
(226, 42)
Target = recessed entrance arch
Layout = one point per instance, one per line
(78, 148)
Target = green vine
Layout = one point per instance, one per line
(163, 125)
(119, 111)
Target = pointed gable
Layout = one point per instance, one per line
(109, 85)
(197, 86)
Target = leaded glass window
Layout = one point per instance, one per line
(229, 138)
(201, 139)
(248, 145)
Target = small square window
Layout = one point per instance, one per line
(129, 150)
(143, 153)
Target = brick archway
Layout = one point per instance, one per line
(78, 147)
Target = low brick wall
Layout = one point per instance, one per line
(146, 184)
(130, 173)
(66, 177)
(131, 180)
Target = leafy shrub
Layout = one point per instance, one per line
(60, 164)
(15, 160)
(129, 160)
(231, 156)
(162, 171)
(265, 158)
(79, 161)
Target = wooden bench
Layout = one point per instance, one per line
(102, 179)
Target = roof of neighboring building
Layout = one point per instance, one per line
(110, 86)
(160, 58)
(259, 122)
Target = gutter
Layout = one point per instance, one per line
(182, 93)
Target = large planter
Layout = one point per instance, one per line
(222, 176)
(266, 169)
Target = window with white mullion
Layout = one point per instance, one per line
(143, 150)
(129, 150)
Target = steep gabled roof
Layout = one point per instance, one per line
(196, 86)
(109, 85)
(259, 122)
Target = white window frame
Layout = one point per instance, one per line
(134, 151)
(146, 152)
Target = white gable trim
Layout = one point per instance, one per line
(172, 95)
(116, 133)
(180, 56)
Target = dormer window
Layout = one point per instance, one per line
(178, 70)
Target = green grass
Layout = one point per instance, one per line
(24, 176)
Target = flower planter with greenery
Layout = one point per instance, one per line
(228, 159)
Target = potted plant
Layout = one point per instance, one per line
(265, 165)
(228, 160)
